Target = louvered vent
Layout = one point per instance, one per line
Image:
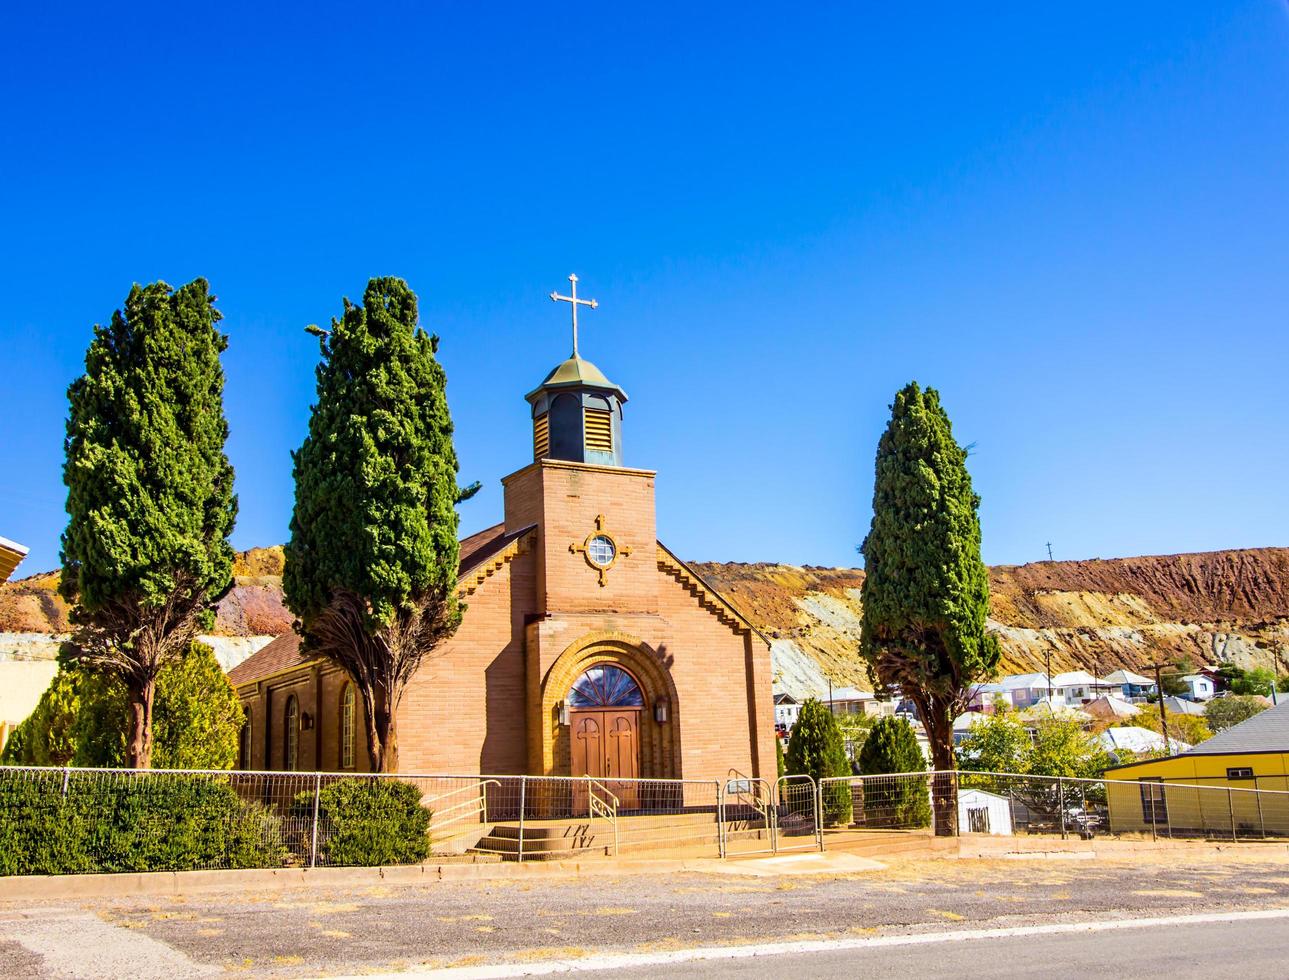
(599, 431)
(541, 436)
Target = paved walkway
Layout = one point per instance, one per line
(541, 919)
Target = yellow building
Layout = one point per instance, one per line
(1209, 790)
(11, 554)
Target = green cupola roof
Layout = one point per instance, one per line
(576, 372)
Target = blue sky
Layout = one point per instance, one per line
(1073, 221)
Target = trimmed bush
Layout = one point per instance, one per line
(369, 822)
(892, 747)
(816, 750)
(132, 823)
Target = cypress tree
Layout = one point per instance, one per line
(150, 499)
(371, 567)
(926, 590)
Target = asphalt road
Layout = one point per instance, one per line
(1249, 950)
(541, 920)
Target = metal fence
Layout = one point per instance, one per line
(55, 821)
(76, 820)
(1010, 804)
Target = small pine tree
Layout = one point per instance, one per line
(816, 750)
(149, 493)
(371, 567)
(892, 747)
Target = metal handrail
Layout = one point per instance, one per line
(602, 808)
(762, 803)
(475, 804)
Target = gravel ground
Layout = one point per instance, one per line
(460, 922)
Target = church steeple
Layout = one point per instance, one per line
(577, 411)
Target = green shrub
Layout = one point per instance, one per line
(132, 823)
(369, 822)
(892, 747)
(816, 750)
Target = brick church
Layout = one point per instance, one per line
(587, 647)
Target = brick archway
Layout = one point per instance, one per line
(659, 741)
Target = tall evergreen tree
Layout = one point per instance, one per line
(371, 568)
(816, 750)
(926, 590)
(150, 499)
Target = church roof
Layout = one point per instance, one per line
(577, 372)
(284, 652)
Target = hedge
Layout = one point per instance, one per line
(121, 822)
(369, 822)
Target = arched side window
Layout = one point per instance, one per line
(605, 686)
(244, 743)
(347, 713)
(291, 741)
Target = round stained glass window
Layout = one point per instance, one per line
(601, 551)
(605, 686)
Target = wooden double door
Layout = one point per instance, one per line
(606, 747)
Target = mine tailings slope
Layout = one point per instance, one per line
(1096, 615)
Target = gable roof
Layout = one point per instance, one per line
(284, 653)
(11, 555)
(1127, 677)
(281, 654)
(1267, 731)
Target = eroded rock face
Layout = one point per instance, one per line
(1092, 615)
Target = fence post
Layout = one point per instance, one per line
(317, 800)
(720, 819)
(957, 806)
(1257, 795)
(1168, 815)
(1060, 802)
(818, 795)
(523, 787)
(66, 775)
(1154, 812)
(1230, 805)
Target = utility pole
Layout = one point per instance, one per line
(1163, 717)
(1047, 659)
(1049, 551)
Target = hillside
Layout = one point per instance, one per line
(1096, 615)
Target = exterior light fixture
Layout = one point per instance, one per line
(306, 721)
(562, 708)
(660, 706)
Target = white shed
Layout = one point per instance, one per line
(983, 813)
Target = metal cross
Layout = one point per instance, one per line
(575, 303)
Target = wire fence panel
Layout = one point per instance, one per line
(895, 801)
(747, 815)
(796, 814)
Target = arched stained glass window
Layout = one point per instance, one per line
(605, 686)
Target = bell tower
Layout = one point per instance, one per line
(577, 411)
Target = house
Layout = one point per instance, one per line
(1044, 708)
(1201, 686)
(852, 701)
(1214, 777)
(587, 647)
(1133, 687)
(1109, 707)
(1074, 687)
(1136, 740)
(963, 723)
(1026, 689)
(11, 555)
(787, 710)
(1182, 706)
(986, 698)
(983, 813)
